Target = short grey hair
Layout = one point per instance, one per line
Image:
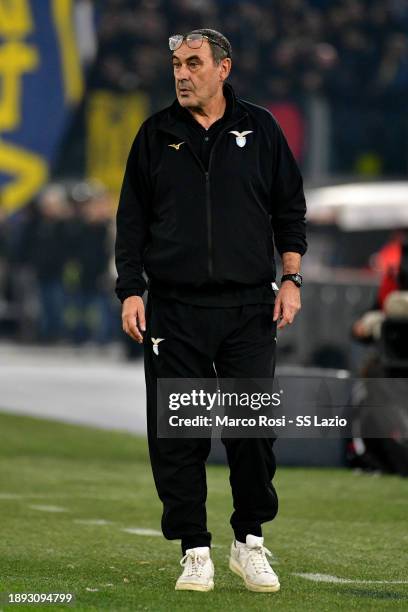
(218, 53)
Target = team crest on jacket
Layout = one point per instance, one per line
(156, 344)
(240, 137)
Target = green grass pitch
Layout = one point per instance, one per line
(67, 493)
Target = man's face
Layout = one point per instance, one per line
(197, 77)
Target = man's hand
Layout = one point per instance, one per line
(133, 317)
(287, 303)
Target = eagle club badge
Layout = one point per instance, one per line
(240, 137)
(156, 344)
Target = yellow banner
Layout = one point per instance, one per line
(40, 81)
(112, 123)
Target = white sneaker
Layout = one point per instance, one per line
(249, 561)
(198, 573)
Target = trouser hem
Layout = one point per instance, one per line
(241, 534)
(193, 542)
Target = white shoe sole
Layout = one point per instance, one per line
(258, 588)
(192, 586)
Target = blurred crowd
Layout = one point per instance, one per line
(350, 50)
(352, 54)
(56, 268)
(56, 254)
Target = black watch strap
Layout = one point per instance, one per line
(295, 278)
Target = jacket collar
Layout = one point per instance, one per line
(174, 120)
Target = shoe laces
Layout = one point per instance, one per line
(257, 555)
(194, 563)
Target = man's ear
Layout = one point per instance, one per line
(226, 65)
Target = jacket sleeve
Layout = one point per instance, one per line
(288, 200)
(132, 220)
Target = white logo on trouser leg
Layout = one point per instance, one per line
(156, 344)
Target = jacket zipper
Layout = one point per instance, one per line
(208, 207)
(208, 199)
(209, 223)
(207, 193)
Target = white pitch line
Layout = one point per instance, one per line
(92, 522)
(337, 580)
(10, 496)
(143, 532)
(48, 508)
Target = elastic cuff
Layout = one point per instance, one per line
(291, 248)
(241, 535)
(193, 542)
(125, 293)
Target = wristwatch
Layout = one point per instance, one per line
(295, 278)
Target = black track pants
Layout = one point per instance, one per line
(240, 343)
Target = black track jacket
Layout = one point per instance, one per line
(193, 228)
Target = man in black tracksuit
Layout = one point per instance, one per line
(210, 184)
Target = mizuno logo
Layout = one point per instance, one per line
(240, 137)
(156, 344)
(176, 146)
